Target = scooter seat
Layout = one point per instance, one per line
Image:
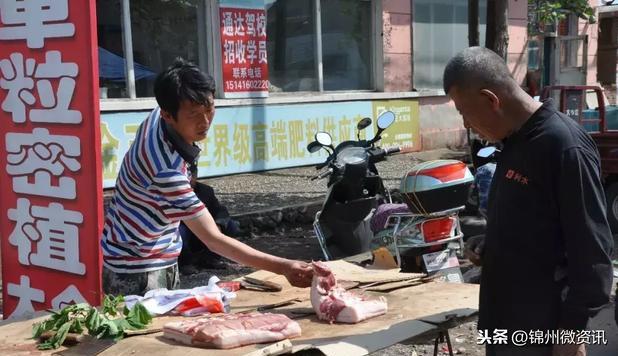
(383, 212)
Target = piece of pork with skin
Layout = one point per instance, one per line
(335, 304)
(233, 330)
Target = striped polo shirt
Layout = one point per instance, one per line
(152, 196)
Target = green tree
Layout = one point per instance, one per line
(543, 12)
(551, 12)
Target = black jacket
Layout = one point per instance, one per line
(546, 261)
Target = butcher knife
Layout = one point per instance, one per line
(279, 348)
(258, 284)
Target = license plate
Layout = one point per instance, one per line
(440, 260)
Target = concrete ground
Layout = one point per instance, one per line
(605, 321)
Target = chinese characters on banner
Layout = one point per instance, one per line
(404, 132)
(242, 139)
(243, 48)
(49, 146)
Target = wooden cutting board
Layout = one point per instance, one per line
(406, 308)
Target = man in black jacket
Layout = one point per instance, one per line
(545, 255)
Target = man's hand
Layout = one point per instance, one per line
(569, 350)
(299, 274)
(474, 249)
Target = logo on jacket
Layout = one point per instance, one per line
(511, 174)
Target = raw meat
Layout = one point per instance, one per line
(333, 303)
(232, 330)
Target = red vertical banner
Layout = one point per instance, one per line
(50, 157)
(244, 55)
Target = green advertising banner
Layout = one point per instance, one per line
(405, 132)
(257, 138)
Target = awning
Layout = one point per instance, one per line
(112, 67)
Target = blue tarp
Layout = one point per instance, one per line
(111, 67)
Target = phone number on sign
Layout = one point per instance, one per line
(246, 84)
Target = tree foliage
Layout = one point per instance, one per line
(551, 12)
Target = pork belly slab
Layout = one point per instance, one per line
(334, 304)
(232, 330)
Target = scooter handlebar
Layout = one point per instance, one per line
(390, 151)
(323, 174)
(379, 154)
(321, 165)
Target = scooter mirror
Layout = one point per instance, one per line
(314, 146)
(363, 124)
(385, 120)
(324, 138)
(486, 151)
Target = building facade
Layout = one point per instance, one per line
(322, 65)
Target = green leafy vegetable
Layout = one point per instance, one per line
(55, 341)
(77, 326)
(111, 304)
(93, 321)
(40, 328)
(111, 322)
(139, 317)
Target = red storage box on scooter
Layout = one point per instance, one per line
(435, 186)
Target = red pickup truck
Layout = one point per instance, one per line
(587, 105)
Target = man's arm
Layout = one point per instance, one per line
(204, 227)
(587, 238)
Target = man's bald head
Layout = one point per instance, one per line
(477, 68)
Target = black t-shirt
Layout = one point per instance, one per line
(546, 261)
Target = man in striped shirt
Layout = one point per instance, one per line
(140, 241)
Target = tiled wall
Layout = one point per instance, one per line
(397, 42)
(517, 56)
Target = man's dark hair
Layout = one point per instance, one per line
(477, 68)
(182, 80)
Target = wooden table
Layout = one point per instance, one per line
(412, 311)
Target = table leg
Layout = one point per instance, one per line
(442, 336)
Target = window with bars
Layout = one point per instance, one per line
(139, 38)
(440, 31)
(319, 45)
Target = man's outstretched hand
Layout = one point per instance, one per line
(299, 274)
(474, 249)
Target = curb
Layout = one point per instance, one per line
(271, 218)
